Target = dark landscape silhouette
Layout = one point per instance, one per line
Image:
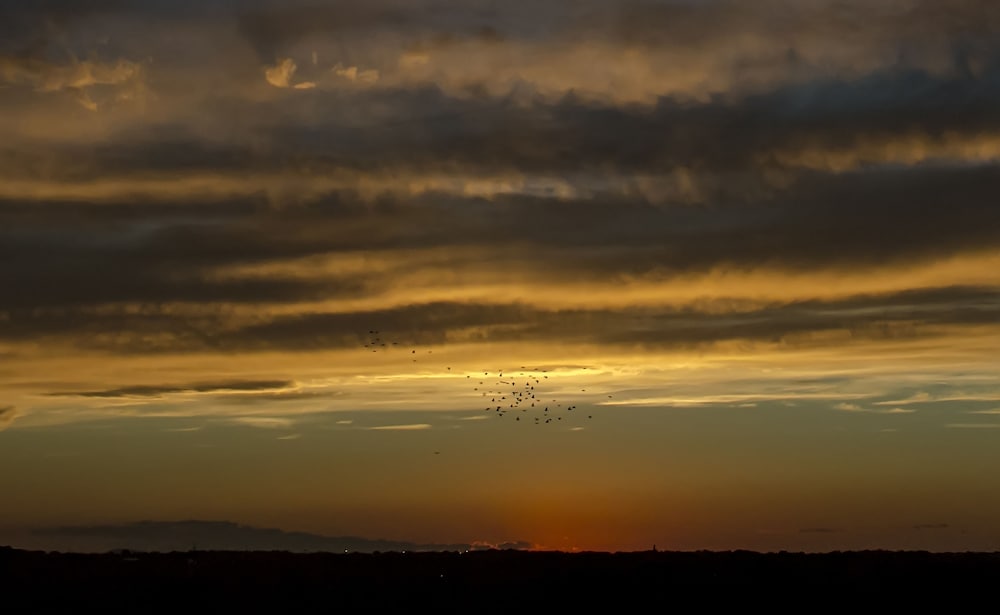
(490, 580)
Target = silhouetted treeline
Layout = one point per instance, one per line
(484, 581)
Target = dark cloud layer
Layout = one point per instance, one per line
(864, 317)
(194, 202)
(428, 130)
(58, 256)
(199, 387)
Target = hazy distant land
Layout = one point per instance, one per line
(199, 535)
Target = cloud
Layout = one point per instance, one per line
(354, 75)
(916, 398)
(973, 425)
(922, 397)
(291, 327)
(263, 422)
(776, 136)
(7, 416)
(846, 407)
(198, 387)
(737, 184)
(729, 399)
(628, 52)
(49, 77)
(280, 75)
(408, 427)
(146, 268)
(77, 78)
(270, 27)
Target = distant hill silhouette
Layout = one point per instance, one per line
(168, 536)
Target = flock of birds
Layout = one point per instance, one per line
(521, 393)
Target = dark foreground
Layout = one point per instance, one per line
(487, 581)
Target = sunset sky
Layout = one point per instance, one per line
(306, 265)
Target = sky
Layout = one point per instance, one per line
(576, 275)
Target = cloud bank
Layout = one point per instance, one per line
(587, 178)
